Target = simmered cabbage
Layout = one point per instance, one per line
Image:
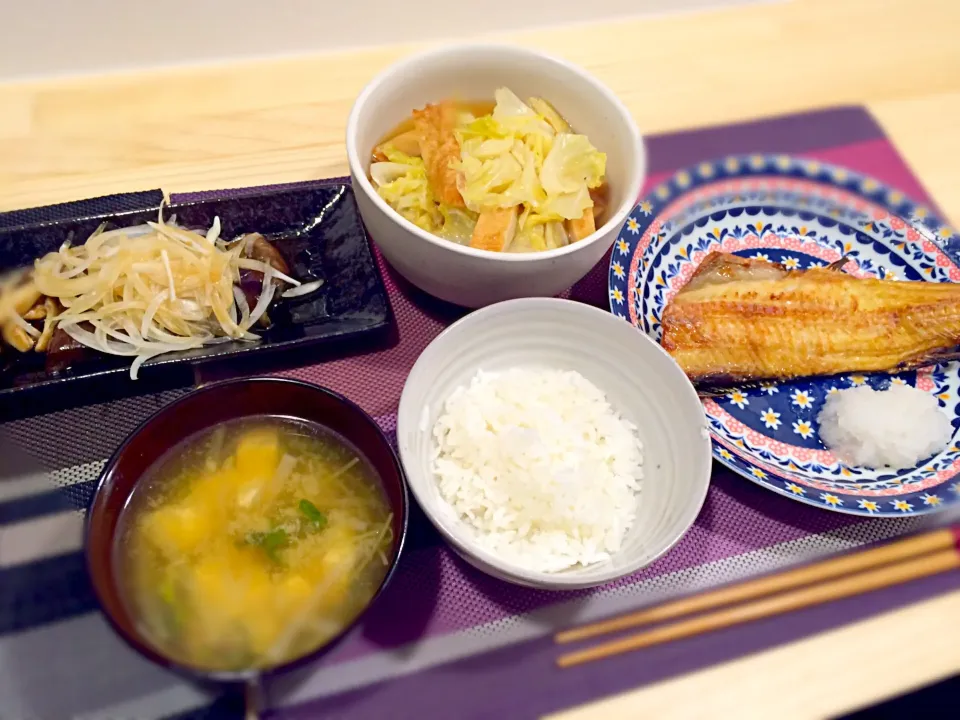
(404, 186)
(519, 155)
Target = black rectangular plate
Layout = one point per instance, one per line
(318, 231)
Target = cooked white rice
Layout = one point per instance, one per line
(894, 428)
(539, 466)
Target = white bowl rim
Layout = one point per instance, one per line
(541, 579)
(359, 171)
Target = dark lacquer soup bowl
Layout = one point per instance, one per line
(203, 410)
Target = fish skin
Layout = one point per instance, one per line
(740, 319)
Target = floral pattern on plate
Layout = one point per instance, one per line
(800, 213)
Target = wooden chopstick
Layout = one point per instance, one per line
(251, 700)
(826, 570)
(885, 576)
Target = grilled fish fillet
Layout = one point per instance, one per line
(738, 320)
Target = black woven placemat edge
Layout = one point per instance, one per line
(79, 209)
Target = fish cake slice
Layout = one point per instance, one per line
(495, 229)
(439, 148)
(408, 143)
(583, 226)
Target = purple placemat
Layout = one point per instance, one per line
(444, 632)
(486, 642)
(522, 681)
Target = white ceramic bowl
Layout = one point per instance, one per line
(639, 379)
(460, 274)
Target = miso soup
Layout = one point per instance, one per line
(253, 543)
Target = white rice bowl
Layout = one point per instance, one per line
(539, 467)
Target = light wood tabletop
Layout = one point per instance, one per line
(283, 120)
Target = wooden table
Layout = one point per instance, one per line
(283, 120)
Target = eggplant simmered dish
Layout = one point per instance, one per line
(141, 292)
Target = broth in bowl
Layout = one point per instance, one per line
(253, 543)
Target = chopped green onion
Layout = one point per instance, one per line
(312, 514)
(271, 542)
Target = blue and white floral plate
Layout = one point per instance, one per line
(800, 213)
